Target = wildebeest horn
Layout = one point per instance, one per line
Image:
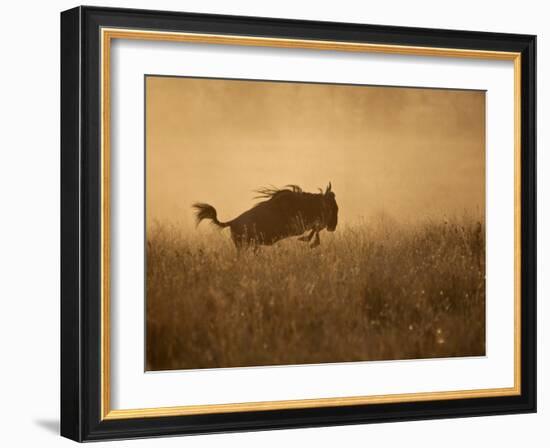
(329, 188)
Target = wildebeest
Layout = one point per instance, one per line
(286, 212)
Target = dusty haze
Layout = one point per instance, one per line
(407, 153)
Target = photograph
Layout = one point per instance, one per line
(292, 223)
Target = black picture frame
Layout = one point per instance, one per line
(81, 230)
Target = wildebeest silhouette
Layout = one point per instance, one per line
(286, 212)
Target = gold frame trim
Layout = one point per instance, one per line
(107, 35)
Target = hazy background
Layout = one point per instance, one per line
(405, 153)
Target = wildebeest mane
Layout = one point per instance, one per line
(272, 193)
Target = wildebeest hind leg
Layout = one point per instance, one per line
(307, 238)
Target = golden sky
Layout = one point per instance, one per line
(410, 153)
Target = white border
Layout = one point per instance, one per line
(132, 388)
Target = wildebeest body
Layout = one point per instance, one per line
(272, 221)
(285, 213)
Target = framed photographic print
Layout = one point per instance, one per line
(273, 223)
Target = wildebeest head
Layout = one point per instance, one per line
(330, 208)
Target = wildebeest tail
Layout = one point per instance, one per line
(206, 211)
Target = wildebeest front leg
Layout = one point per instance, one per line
(316, 240)
(307, 238)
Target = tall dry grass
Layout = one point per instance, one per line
(369, 292)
